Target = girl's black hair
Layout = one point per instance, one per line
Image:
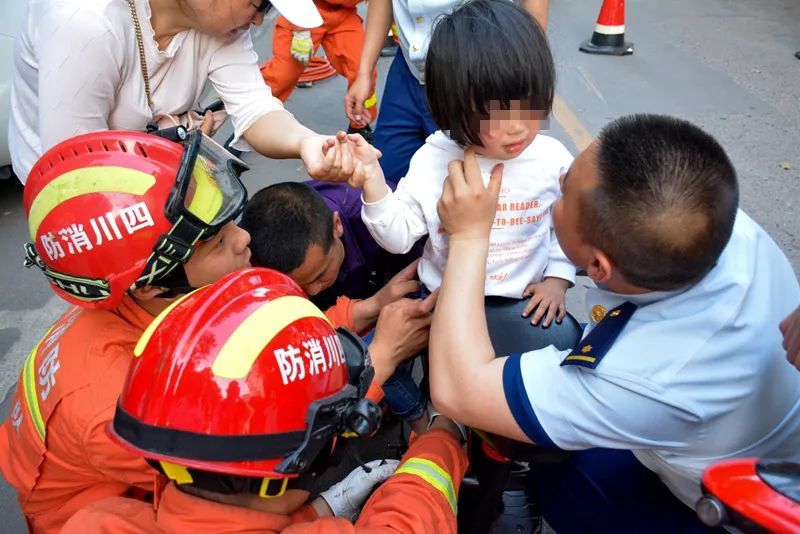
(484, 51)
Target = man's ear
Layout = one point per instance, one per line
(600, 268)
(148, 292)
(338, 227)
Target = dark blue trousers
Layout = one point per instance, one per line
(404, 121)
(609, 491)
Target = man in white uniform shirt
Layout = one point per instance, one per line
(682, 361)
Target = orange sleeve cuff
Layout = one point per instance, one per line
(442, 447)
(341, 313)
(375, 392)
(304, 514)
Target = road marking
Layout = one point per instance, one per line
(32, 325)
(573, 126)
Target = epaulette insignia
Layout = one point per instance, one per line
(594, 347)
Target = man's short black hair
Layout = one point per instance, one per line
(283, 221)
(484, 51)
(666, 201)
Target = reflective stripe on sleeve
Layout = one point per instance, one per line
(29, 387)
(434, 475)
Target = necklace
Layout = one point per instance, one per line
(138, 29)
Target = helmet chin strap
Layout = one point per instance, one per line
(176, 282)
(165, 266)
(86, 289)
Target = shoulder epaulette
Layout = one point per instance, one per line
(591, 349)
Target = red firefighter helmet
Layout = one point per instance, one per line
(244, 377)
(113, 210)
(751, 494)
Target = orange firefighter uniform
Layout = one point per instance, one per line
(54, 448)
(341, 314)
(421, 496)
(342, 37)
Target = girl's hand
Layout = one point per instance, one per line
(326, 159)
(548, 298)
(366, 168)
(467, 208)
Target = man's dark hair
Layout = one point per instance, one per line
(283, 221)
(666, 201)
(484, 51)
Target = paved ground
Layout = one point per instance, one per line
(727, 65)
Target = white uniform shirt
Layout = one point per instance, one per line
(696, 376)
(77, 70)
(523, 246)
(415, 20)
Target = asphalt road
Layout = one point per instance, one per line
(726, 65)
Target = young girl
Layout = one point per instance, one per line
(489, 80)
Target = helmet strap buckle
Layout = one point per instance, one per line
(268, 489)
(173, 248)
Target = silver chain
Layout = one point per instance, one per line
(138, 29)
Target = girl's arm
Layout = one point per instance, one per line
(396, 221)
(558, 266)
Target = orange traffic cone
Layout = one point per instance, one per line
(609, 33)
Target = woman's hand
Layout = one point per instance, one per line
(327, 158)
(467, 208)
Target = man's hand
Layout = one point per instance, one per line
(346, 498)
(467, 208)
(302, 47)
(402, 331)
(326, 158)
(398, 286)
(548, 297)
(790, 328)
(365, 312)
(357, 94)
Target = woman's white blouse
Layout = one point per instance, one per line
(77, 70)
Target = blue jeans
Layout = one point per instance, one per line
(509, 333)
(404, 121)
(401, 392)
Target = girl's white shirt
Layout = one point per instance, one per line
(523, 246)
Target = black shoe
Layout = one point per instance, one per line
(518, 515)
(389, 47)
(366, 133)
(796, 54)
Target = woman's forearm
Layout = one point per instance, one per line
(460, 343)
(277, 135)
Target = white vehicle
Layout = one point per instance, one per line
(11, 14)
